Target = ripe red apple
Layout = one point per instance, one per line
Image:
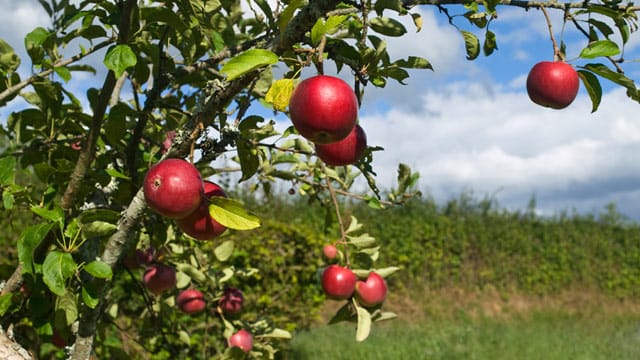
(553, 84)
(231, 301)
(191, 301)
(58, 340)
(139, 258)
(242, 339)
(323, 109)
(159, 278)
(199, 224)
(338, 282)
(346, 151)
(371, 292)
(330, 251)
(173, 188)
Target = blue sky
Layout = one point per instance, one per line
(469, 125)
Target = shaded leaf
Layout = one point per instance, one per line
(27, 243)
(7, 170)
(592, 84)
(56, 269)
(387, 26)
(471, 44)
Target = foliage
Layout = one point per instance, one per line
(201, 74)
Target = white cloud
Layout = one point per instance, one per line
(467, 138)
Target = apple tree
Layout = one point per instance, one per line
(135, 111)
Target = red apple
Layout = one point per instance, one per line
(58, 340)
(323, 109)
(191, 301)
(231, 301)
(371, 292)
(346, 151)
(330, 251)
(173, 188)
(159, 278)
(168, 141)
(139, 258)
(338, 282)
(553, 84)
(199, 224)
(242, 339)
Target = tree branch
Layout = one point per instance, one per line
(21, 85)
(525, 4)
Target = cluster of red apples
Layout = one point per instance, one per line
(553, 84)
(340, 283)
(324, 110)
(174, 189)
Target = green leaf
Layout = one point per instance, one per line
(414, 62)
(90, 295)
(471, 44)
(600, 48)
(98, 269)
(386, 315)
(277, 334)
(98, 229)
(7, 199)
(27, 243)
(362, 241)
(192, 272)
(66, 310)
(117, 174)
(248, 158)
(605, 72)
(36, 38)
(248, 61)
(384, 272)
(490, 44)
(5, 303)
(364, 324)
(224, 251)
(7, 170)
(56, 214)
(387, 26)
(592, 84)
(354, 225)
(318, 30)
(119, 58)
(279, 94)
(417, 21)
(9, 60)
(343, 314)
(287, 14)
(232, 214)
(63, 72)
(56, 269)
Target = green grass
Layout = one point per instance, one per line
(540, 336)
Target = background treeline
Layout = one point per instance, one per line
(466, 243)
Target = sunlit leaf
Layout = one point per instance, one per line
(248, 61)
(387, 26)
(471, 44)
(224, 251)
(279, 94)
(232, 214)
(600, 48)
(119, 58)
(98, 269)
(364, 324)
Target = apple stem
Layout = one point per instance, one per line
(557, 56)
(336, 205)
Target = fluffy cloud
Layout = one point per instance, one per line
(469, 139)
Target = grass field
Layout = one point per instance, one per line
(548, 330)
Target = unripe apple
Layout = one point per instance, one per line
(242, 339)
(338, 282)
(323, 109)
(231, 301)
(199, 224)
(371, 292)
(159, 278)
(191, 301)
(553, 84)
(173, 188)
(346, 151)
(330, 251)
